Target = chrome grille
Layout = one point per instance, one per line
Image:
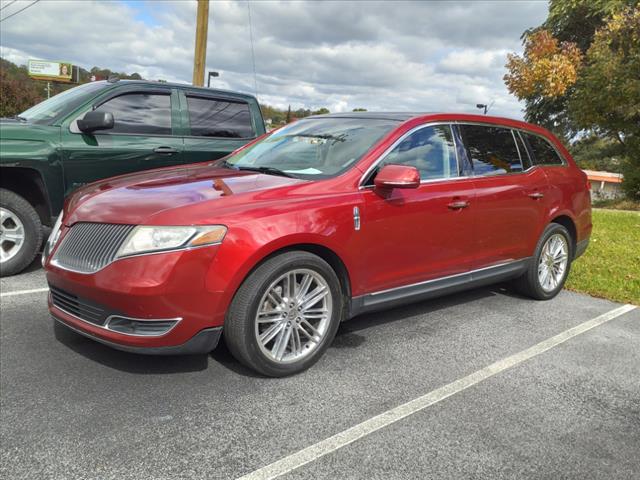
(88, 247)
(78, 307)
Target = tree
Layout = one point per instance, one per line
(580, 72)
(543, 75)
(17, 91)
(359, 110)
(574, 21)
(595, 152)
(322, 111)
(607, 94)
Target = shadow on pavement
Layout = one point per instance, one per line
(128, 362)
(348, 336)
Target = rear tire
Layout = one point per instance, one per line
(20, 233)
(277, 331)
(550, 264)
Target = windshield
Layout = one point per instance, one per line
(314, 148)
(47, 112)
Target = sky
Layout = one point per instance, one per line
(381, 55)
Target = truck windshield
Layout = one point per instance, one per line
(54, 108)
(313, 148)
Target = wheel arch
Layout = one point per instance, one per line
(567, 222)
(328, 254)
(29, 184)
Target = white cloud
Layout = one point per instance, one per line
(378, 55)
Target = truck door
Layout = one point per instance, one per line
(142, 138)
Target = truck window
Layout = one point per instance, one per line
(140, 113)
(210, 117)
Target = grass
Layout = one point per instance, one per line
(610, 268)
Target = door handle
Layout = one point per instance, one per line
(165, 150)
(458, 205)
(536, 195)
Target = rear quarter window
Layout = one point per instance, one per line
(542, 151)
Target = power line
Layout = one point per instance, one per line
(253, 55)
(8, 4)
(21, 10)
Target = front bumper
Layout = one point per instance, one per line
(145, 291)
(202, 342)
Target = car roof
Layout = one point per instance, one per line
(455, 117)
(399, 116)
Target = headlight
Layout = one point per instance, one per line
(144, 239)
(55, 233)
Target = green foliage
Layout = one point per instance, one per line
(569, 21)
(607, 94)
(597, 153)
(359, 110)
(321, 111)
(17, 91)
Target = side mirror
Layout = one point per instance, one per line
(93, 121)
(396, 176)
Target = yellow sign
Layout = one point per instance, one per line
(52, 71)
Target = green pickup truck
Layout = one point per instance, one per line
(100, 130)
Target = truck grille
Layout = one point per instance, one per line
(88, 247)
(78, 307)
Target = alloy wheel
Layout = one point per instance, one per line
(293, 316)
(12, 234)
(553, 262)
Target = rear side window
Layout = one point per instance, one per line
(543, 151)
(492, 150)
(210, 117)
(139, 113)
(431, 150)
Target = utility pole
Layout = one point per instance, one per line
(48, 89)
(200, 54)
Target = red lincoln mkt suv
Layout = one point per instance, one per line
(324, 219)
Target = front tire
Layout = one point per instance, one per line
(550, 264)
(20, 233)
(285, 314)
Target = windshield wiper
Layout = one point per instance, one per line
(267, 170)
(18, 117)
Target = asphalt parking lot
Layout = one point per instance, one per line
(568, 407)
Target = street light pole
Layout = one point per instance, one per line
(200, 54)
(211, 74)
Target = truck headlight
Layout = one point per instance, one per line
(148, 239)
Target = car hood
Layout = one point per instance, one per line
(194, 194)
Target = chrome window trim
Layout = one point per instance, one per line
(383, 155)
(108, 319)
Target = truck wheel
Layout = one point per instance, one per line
(20, 233)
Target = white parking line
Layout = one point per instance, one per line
(346, 437)
(23, 292)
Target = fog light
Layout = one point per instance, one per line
(143, 328)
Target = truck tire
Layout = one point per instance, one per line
(20, 233)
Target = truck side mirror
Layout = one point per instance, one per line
(94, 120)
